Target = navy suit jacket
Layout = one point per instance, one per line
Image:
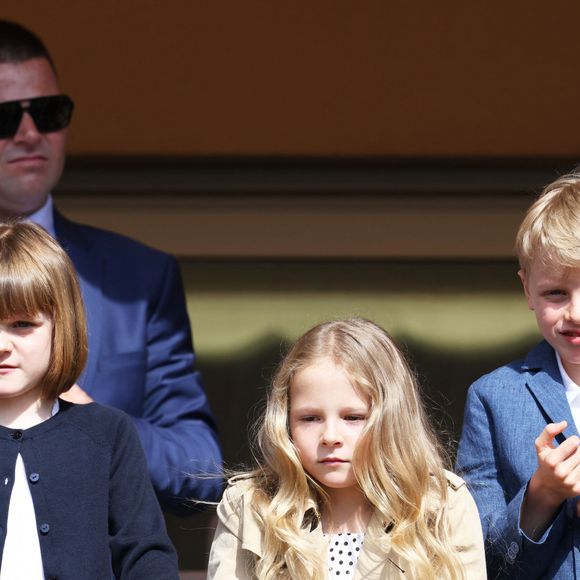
(505, 412)
(141, 358)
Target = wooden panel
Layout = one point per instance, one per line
(315, 228)
(266, 209)
(332, 77)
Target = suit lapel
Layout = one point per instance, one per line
(545, 384)
(89, 269)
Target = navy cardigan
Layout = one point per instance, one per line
(96, 511)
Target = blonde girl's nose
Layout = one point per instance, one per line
(331, 436)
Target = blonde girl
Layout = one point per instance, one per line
(351, 482)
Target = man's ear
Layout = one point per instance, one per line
(522, 276)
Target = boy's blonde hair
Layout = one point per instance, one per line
(550, 231)
(37, 276)
(398, 463)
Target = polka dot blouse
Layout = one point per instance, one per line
(343, 552)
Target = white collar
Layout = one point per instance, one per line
(572, 389)
(44, 217)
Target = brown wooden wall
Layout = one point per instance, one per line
(331, 77)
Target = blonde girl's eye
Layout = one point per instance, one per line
(355, 418)
(309, 418)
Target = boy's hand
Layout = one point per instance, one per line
(556, 479)
(558, 473)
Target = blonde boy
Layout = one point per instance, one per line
(519, 447)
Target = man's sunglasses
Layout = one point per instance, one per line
(48, 113)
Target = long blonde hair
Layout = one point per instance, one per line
(398, 462)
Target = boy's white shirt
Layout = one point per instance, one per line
(21, 559)
(572, 392)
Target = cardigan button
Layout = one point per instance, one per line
(44, 529)
(33, 477)
(16, 435)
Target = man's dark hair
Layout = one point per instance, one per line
(18, 44)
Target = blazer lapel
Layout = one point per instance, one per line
(89, 269)
(545, 384)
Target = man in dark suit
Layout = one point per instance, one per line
(141, 357)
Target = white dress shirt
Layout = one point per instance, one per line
(572, 393)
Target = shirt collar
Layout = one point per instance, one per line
(44, 217)
(572, 389)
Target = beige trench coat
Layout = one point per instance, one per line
(238, 538)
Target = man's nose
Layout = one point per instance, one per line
(27, 130)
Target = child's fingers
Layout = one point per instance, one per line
(559, 467)
(568, 472)
(546, 438)
(566, 449)
(562, 459)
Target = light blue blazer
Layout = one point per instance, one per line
(505, 412)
